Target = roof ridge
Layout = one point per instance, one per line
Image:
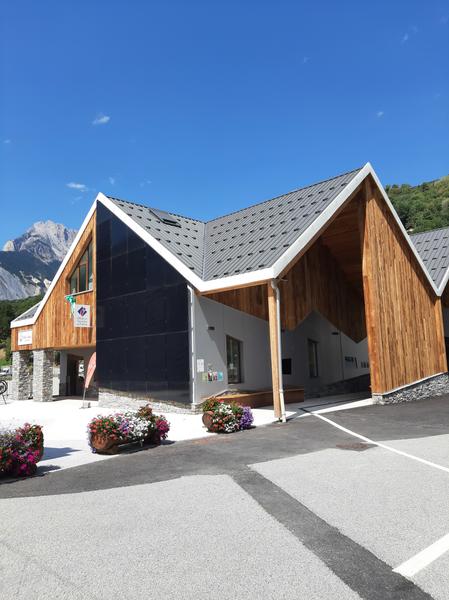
(284, 194)
(428, 231)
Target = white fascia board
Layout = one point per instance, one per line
(62, 266)
(444, 282)
(151, 241)
(319, 223)
(22, 323)
(326, 215)
(198, 283)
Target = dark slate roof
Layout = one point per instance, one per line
(433, 248)
(186, 242)
(243, 241)
(28, 314)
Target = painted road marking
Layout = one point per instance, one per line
(424, 558)
(370, 441)
(435, 550)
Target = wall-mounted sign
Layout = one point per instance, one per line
(81, 315)
(200, 365)
(25, 337)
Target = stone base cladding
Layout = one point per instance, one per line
(438, 385)
(119, 400)
(43, 375)
(21, 375)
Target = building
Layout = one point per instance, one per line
(433, 248)
(320, 289)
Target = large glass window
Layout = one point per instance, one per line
(234, 359)
(82, 279)
(312, 347)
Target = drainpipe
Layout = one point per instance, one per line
(192, 342)
(277, 294)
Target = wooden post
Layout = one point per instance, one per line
(274, 328)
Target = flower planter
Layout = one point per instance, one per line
(154, 438)
(105, 445)
(207, 420)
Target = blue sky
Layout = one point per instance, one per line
(202, 108)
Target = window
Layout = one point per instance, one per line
(286, 366)
(82, 279)
(313, 358)
(234, 359)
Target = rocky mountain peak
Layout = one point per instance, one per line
(46, 240)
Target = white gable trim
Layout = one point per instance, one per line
(242, 279)
(59, 272)
(404, 232)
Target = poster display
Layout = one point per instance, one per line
(81, 315)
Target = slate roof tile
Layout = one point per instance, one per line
(243, 241)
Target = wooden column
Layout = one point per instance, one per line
(274, 328)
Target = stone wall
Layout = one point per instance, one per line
(117, 400)
(20, 386)
(43, 375)
(437, 385)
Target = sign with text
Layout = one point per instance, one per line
(81, 315)
(25, 337)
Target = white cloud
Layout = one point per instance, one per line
(101, 119)
(380, 113)
(405, 38)
(77, 186)
(111, 180)
(7, 141)
(146, 182)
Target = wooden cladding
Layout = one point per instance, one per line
(54, 326)
(315, 282)
(403, 315)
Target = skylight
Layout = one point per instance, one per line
(165, 217)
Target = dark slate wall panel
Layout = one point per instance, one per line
(142, 314)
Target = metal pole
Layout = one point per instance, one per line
(278, 318)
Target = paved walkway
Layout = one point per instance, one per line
(65, 424)
(301, 510)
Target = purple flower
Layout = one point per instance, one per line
(246, 420)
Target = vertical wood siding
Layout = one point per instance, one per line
(54, 326)
(403, 314)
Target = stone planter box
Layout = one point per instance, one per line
(262, 398)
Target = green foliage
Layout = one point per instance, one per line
(422, 207)
(9, 310)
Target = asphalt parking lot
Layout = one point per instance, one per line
(302, 510)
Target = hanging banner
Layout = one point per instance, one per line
(90, 369)
(81, 315)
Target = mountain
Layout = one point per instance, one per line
(28, 263)
(46, 240)
(422, 207)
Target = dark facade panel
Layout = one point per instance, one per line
(142, 317)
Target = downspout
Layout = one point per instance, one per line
(192, 341)
(277, 294)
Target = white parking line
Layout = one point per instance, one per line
(435, 550)
(424, 558)
(370, 441)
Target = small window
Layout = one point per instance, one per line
(286, 366)
(312, 347)
(82, 279)
(234, 359)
